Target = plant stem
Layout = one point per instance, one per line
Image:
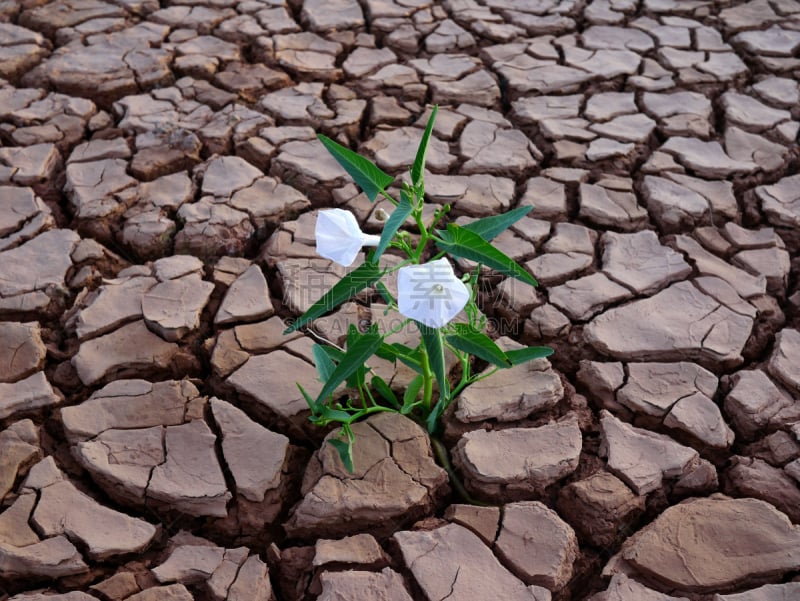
(437, 216)
(371, 410)
(362, 396)
(397, 328)
(427, 379)
(463, 383)
(444, 460)
(369, 395)
(465, 371)
(389, 198)
(398, 266)
(484, 376)
(423, 236)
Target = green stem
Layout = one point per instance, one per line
(437, 216)
(389, 198)
(462, 384)
(371, 410)
(484, 376)
(427, 379)
(362, 396)
(397, 328)
(444, 460)
(423, 236)
(398, 266)
(369, 395)
(465, 372)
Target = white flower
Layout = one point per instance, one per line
(339, 238)
(430, 293)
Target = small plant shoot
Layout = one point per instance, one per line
(431, 298)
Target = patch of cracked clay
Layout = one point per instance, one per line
(159, 452)
(394, 481)
(160, 179)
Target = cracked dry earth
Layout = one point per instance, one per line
(159, 177)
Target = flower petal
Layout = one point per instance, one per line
(338, 236)
(430, 293)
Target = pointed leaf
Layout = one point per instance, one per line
(358, 377)
(461, 242)
(422, 150)
(345, 450)
(312, 404)
(530, 353)
(432, 421)
(432, 339)
(354, 358)
(370, 178)
(326, 415)
(410, 396)
(352, 283)
(385, 294)
(399, 352)
(396, 219)
(323, 361)
(387, 352)
(470, 340)
(489, 227)
(383, 389)
(334, 353)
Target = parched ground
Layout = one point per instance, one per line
(159, 177)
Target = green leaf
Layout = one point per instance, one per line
(432, 421)
(529, 353)
(344, 448)
(432, 339)
(334, 353)
(399, 352)
(396, 219)
(323, 361)
(385, 294)
(370, 178)
(461, 242)
(352, 283)
(357, 378)
(326, 415)
(419, 161)
(410, 396)
(354, 358)
(383, 389)
(468, 339)
(489, 227)
(312, 404)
